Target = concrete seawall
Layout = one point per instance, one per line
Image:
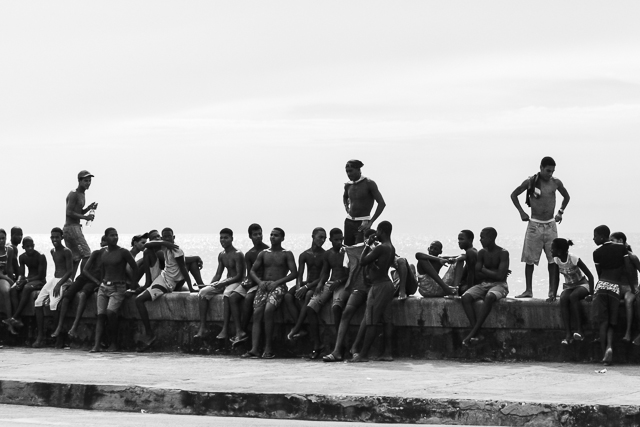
(426, 328)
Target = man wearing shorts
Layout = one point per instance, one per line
(174, 273)
(377, 262)
(541, 197)
(21, 291)
(333, 278)
(492, 268)
(241, 299)
(232, 260)
(279, 267)
(53, 290)
(111, 294)
(73, 237)
(359, 195)
(612, 263)
(84, 286)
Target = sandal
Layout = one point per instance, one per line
(577, 336)
(315, 354)
(268, 356)
(249, 355)
(566, 341)
(331, 358)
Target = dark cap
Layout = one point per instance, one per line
(84, 174)
(139, 237)
(355, 163)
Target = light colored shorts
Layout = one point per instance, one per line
(46, 294)
(499, 289)
(244, 290)
(538, 238)
(274, 297)
(111, 296)
(210, 291)
(340, 298)
(160, 286)
(75, 241)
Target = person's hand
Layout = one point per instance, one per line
(552, 299)
(271, 286)
(588, 298)
(558, 218)
(90, 217)
(247, 284)
(129, 293)
(402, 295)
(56, 291)
(524, 216)
(332, 284)
(443, 261)
(92, 205)
(263, 285)
(371, 239)
(301, 292)
(365, 225)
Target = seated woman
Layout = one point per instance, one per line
(578, 284)
(625, 290)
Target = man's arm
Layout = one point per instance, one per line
(72, 202)
(421, 256)
(156, 244)
(514, 198)
(134, 267)
(22, 279)
(254, 268)
(185, 273)
(89, 266)
(369, 256)
(293, 273)
(216, 277)
(500, 275)
(301, 263)
(630, 271)
(345, 200)
(554, 274)
(42, 269)
(324, 274)
(377, 196)
(479, 265)
(68, 266)
(565, 201)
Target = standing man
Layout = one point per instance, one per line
(359, 194)
(541, 197)
(73, 237)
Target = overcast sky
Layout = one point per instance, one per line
(203, 115)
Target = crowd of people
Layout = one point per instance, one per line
(361, 268)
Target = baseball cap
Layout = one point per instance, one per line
(84, 174)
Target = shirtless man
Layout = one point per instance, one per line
(16, 239)
(491, 271)
(612, 264)
(175, 273)
(241, 299)
(84, 286)
(541, 197)
(232, 260)
(112, 290)
(21, 291)
(429, 265)
(466, 263)
(359, 194)
(73, 237)
(54, 288)
(301, 293)
(378, 260)
(333, 278)
(279, 267)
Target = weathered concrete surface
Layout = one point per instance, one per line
(437, 392)
(426, 328)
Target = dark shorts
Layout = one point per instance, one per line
(36, 285)
(111, 296)
(81, 284)
(380, 295)
(273, 297)
(351, 233)
(605, 307)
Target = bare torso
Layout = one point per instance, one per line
(361, 198)
(275, 265)
(491, 260)
(75, 203)
(251, 256)
(379, 270)
(336, 263)
(544, 207)
(114, 265)
(60, 261)
(230, 261)
(313, 262)
(32, 263)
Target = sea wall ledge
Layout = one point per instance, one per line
(425, 328)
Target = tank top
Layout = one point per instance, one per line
(570, 270)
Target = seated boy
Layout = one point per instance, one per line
(612, 263)
(174, 273)
(21, 291)
(232, 260)
(53, 290)
(492, 268)
(429, 266)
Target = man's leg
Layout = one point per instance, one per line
(258, 315)
(141, 301)
(99, 331)
(387, 355)
(25, 297)
(431, 272)
(203, 308)
(314, 333)
(291, 305)
(629, 300)
(356, 299)
(269, 317)
(224, 333)
(528, 278)
(565, 311)
(247, 310)
(40, 325)
(194, 268)
(485, 309)
(112, 330)
(235, 305)
(64, 306)
(82, 304)
(468, 301)
(336, 312)
(301, 317)
(5, 288)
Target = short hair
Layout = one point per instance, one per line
(317, 230)
(369, 232)
(547, 161)
(602, 231)
(152, 231)
(280, 230)
(334, 231)
(14, 229)
(385, 227)
(28, 239)
(254, 227)
(620, 235)
(468, 233)
(492, 232)
(109, 230)
(167, 229)
(3, 232)
(355, 163)
(562, 244)
(55, 230)
(226, 231)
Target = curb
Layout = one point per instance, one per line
(380, 409)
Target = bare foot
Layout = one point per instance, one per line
(358, 359)
(56, 333)
(637, 340)
(608, 357)
(466, 341)
(222, 335)
(201, 333)
(386, 357)
(38, 343)
(292, 335)
(95, 349)
(112, 348)
(525, 294)
(72, 333)
(12, 330)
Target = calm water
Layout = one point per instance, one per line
(207, 247)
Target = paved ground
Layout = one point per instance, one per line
(24, 416)
(522, 382)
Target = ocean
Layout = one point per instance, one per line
(208, 247)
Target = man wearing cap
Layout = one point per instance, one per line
(359, 194)
(73, 237)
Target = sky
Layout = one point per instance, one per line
(204, 115)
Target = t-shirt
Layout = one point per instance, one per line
(610, 256)
(171, 268)
(570, 270)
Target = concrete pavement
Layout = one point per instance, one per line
(401, 391)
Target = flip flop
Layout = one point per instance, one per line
(268, 356)
(147, 345)
(577, 336)
(566, 341)
(249, 355)
(238, 341)
(331, 358)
